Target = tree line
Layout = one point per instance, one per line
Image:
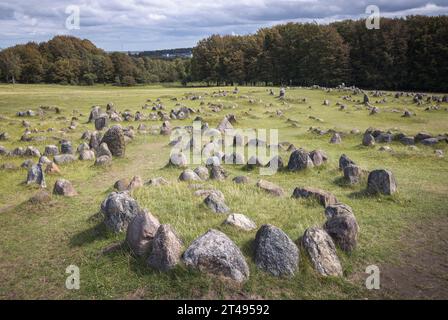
(404, 54)
(69, 60)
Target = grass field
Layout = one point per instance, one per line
(37, 243)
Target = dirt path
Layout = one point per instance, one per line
(422, 272)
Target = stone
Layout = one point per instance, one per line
(344, 161)
(95, 140)
(206, 193)
(103, 150)
(299, 160)
(218, 173)
(202, 173)
(119, 208)
(51, 150)
(114, 138)
(19, 151)
(87, 155)
(66, 147)
(189, 175)
(322, 252)
(318, 157)
(240, 221)
(43, 160)
(241, 180)
(276, 163)
(52, 168)
(407, 140)
(368, 140)
(64, 159)
(384, 138)
(216, 254)
(32, 152)
(225, 125)
(275, 252)
(337, 209)
(344, 229)
(336, 138)
(36, 175)
(439, 153)
(94, 113)
(27, 164)
(166, 249)
(4, 136)
(325, 198)
(234, 158)
(135, 183)
(103, 161)
(101, 122)
(122, 184)
(270, 188)
(430, 141)
(64, 188)
(82, 147)
(178, 160)
(159, 181)
(422, 136)
(40, 197)
(216, 203)
(165, 130)
(382, 181)
(353, 174)
(3, 151)
(141, 231)
(385, 149)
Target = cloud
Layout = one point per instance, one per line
(156, 24)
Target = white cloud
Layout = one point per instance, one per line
(152, 24)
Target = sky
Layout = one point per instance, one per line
(136, 25)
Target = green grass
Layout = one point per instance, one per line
(37, 243)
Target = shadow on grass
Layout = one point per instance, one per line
(94, 233)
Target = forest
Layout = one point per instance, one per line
(404, 54)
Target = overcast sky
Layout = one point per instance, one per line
(159, 24)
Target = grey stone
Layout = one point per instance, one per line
(141, 231)
(64, 159)
(189, 175)
(216, 204)
(325, 198)
(322, 252)
(270, 188)
(64, 188)
(353, 174)
(240, 221)
(216, 254)
(344, 229)
(202, 172)
(119, 208)
(382, 181)
(275, 252)
(36, 175)
(114, 138)
(241, 180)
(344, 161)
(299, 160)
(166, 249)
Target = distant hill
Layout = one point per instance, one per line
(164, 54)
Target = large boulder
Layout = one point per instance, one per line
(325, 198)
(141, 230)
(51, 150)
(64, 188)
(101, 122)
(353, 174)
(86, 155)
(322, 252)
(275, 252)
(336, 138)
(337, 209)
(166, 249)
(36, 175)
(216, 254)
(103, 150)
(94, 113)
(114, 138)
(218, 173)
(381, 181)
(344, 161)
(178, 160)
(368, 140)
(342, 226)
(103, 161)
(299, 160)
(119, 208)
(318, 157)
(66, 147)
(270, 188)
